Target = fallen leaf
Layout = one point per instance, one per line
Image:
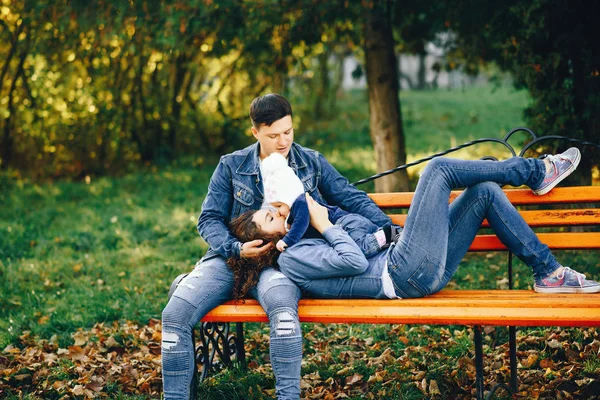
(433, 388)
(351, 380)
(77, 390)
(554, 344)
(80, 338)
(530, 361)
(111, 342)
(546, 363)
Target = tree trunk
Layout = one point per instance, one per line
(8, 139)
(322, 89)
(421, 80)
(180, 65)
(337, 82)
(581, 95)
(384, 104)
(11, 53)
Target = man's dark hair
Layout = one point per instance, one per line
(268, 109)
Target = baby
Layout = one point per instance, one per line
(284, 191)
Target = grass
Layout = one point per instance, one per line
(433, 121)
(76, 253)
(72, 254)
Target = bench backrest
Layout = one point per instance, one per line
(559, 212)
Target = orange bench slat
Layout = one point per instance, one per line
(561, 195)
(541, 218)
(464, 307)
(555, 240)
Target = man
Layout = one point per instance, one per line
(235, 187)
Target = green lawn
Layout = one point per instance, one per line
(74, 253)
(433, 121)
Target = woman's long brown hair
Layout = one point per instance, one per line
(246, 270)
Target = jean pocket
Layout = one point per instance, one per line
(428, 276)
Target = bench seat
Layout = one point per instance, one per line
(448, 307)
(551, 216)
(470, 307)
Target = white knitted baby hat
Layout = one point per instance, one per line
(280, 181)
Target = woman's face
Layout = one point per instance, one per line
(270, 221)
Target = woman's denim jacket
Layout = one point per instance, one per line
(236, 187)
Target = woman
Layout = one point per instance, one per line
(435, 238)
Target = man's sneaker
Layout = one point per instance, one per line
(561, 166)
(568, 281)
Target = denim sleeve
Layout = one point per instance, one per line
(336, 256)
(216, 210)
(338, 191)
(300, 220)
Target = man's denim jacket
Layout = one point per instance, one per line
(236, 187)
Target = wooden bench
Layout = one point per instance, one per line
(510, 308)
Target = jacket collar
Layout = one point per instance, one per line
(251, 163)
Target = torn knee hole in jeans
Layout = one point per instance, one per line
(285, 324)
(169, 340)
(187, 285)
(195, 273)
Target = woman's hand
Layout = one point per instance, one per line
(319, 217)
(254, 248)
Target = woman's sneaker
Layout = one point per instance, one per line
(561, 166)
(568, 281)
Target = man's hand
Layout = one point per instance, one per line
(254, 248)
(319, 217)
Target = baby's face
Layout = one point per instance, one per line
(283, 208)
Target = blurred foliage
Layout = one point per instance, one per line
(550, 47)
(92, 88)
(103, 87)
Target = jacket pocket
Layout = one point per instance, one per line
(243, 198)
(309, 183)
(427, 276)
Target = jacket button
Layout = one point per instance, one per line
(239, 194)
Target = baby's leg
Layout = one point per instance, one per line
(368, 236)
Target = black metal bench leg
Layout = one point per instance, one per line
(512, 334)
(512, 342)
(239, 344)
(217, 342)
(478, 362)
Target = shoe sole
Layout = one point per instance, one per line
(580, 290)
(559, 178)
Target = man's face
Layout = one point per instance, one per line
(275, 138)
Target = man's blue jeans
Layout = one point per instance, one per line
(436, 236)
(209, 285)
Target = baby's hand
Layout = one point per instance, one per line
(281, 245)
